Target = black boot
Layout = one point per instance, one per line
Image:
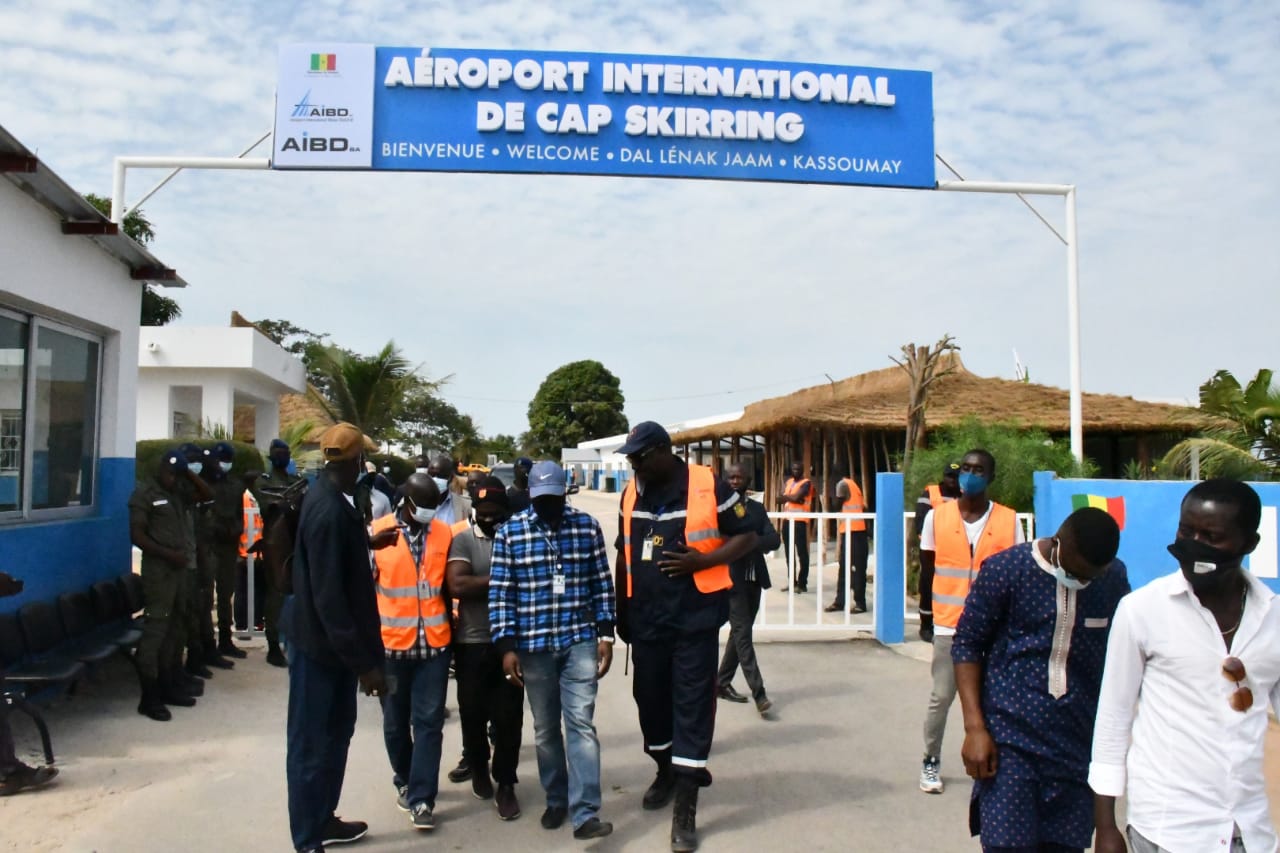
(212, 657)
(172, 693)
(684, 817)
(226, 648)
(195, 666)
(151, 704)
(659, 793)
(275, 657)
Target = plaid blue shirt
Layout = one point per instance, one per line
(525, 613)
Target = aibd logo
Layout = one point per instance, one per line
(307, 142)
(304, 110)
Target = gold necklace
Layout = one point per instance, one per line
(1233, 628)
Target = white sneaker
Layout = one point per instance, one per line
(930, 781)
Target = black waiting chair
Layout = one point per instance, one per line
(131, 591)
(26, 672)
(43, 634)
(87, 640)
(110, 611)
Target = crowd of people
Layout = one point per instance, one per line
(1074, 690)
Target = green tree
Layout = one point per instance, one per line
(367, 391)
(1247, 444)
(157, 310)
(505, 447)
(579, 401)
(431, 424)
(1019, 452)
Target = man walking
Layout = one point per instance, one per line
(1028, 656)
(679, 528)
(797, 496)
(485, 697)
(162, 527)
(750, 575)
(1193, 659)
(414, 610)
(957, 537)
(551, 614)
(853, 533)
(335, 642)
(454, 506)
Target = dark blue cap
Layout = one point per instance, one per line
(644, 436)
(525, 462)
(174, 460)
(190, 449)
(952, 469)
(224, 451)
(278, 443)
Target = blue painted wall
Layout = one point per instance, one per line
(1151, 520)
(60, 556)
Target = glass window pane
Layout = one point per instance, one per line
(13, 379)
(65, 410)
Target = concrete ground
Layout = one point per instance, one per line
(833, 768)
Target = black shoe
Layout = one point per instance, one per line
(858, 608)
(461, 773)
(171, 694)
(505, 800)
(152, 705)
(763, 704)
(726, 691)
(801, 587)
(482, 786)
(834, 607)
(230, 650)
(275, 657)
(659, 793)
(553, 817)
(25, 778)
(593, 828)
(684, 818)
(199, 670)
(189, 683)
(217, 661)
(339, 831)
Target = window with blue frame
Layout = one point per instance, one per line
(50, 380)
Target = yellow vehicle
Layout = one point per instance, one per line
(467, 469)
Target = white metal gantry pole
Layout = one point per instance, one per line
(123, 164)
(1067, 191)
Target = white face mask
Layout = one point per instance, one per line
(225, 466)
(195, 467)
(1060, 573)
(419, 470)
(421, 515)
(442, 484)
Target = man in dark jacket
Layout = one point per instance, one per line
(750, 576)
(335, 640)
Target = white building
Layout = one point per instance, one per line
(192, 379)
(70, 298)
(597, 462)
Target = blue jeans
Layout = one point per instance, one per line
(413, 723)
(564, 683)
(322, 718)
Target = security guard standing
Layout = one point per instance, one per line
(160, 525)
(223, 524)
(797, 496)
(268, 491)
(199, 610)
(680, 526)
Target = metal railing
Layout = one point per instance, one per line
(818, 588)
(252, 530)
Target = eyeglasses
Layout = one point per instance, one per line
(1233, 670)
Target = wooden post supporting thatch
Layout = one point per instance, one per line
(864, 461)
(923, 368)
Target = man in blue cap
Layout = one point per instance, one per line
(219, 538)
(679, 528)
(268, 491)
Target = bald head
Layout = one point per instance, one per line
(441, 466)
(422, 491)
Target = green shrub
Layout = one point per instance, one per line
(148, 453)
(1019, 452)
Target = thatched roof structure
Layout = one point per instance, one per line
(878, 401)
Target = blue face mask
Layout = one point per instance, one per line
(1060, 573)
(195, 467)
(443, 485)
(972, 484)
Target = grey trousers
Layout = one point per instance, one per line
(944, 693)
(1139, 844)
(744, 603)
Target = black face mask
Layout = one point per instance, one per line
(1204, 566)
(280, 460)
(550, 508)
(489, 526)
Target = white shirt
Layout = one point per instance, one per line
(972, 530)
(1166, 736)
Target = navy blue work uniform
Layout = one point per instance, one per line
(674, 628)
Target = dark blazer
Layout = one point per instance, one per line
(769, 541)
(333, 617)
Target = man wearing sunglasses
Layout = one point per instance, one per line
(1194, 656)
(1028, 656)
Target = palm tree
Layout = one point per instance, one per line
(1247, 444)
(367, 391)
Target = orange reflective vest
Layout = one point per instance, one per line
(853, 503)
(956, 563)
(252, 521)
(935, 495)
(701, 527)
(802, 506)
(411, 598)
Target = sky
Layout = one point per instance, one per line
(703, 296)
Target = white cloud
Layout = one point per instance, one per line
(1162, 114)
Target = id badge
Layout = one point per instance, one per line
(424, 589)
(646, 550)
(557, 584)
